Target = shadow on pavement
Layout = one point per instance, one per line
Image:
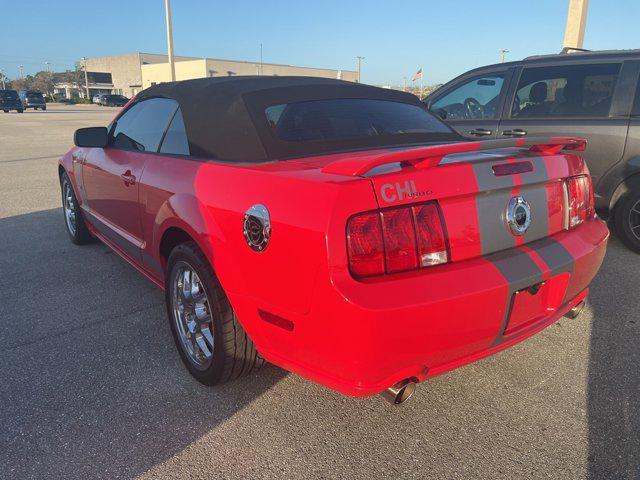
(90, 382)
(613, 404)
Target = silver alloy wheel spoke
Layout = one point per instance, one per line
(192, 316)
(634, 220)
(69, 208)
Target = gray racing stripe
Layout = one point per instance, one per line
(520, 271)
(491, 203)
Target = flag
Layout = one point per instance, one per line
(418, 75)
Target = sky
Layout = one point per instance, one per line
(445, 38)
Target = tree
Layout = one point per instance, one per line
(43, 82)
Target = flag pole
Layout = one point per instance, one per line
(421, 80)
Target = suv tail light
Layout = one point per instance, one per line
(579, 200)
(396, 240)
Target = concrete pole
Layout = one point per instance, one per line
(576, 23)
(359, 67)
(172, 66)
(86, 77)
(502, 52)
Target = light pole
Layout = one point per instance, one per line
(48, 66)
(86, 77)
(21, 67)
(359, 66)
(502, 52)
(2, 77)
(172, 67)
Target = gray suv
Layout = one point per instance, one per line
(593, 95)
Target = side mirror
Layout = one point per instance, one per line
(91, 137)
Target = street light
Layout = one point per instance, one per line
(502, 52)
(359, 66)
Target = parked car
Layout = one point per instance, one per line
(32, 99)
(9, 100)
(335, 229)
(589, 94)
(111, 100)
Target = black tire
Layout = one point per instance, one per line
(44, 108)
(80, 235)
(627, 220)
(234, 354)
(5, 111)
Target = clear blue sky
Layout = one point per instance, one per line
(444, 37)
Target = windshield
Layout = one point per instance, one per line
(349, 118)
(8, 94)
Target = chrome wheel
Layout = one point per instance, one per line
(69, 206)
(192, 316)
(634, 220)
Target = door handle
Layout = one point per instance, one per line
(480, 132)
(516, 132)
(128, 178)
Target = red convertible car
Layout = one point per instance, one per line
(337, 230)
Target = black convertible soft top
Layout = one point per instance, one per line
(225, 116)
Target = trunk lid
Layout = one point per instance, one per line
(491, 199)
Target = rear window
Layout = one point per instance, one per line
(34, 95)
(347, 118)
(8, 94)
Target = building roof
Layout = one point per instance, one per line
(225, 116)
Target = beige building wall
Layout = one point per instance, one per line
(133, 72)
(186, 69)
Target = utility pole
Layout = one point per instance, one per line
(172, 67)
(21, 67)
(261, 72)
(502, 52)
(404, 84)
(576, 24)
(2, 77)
(86, 77)
(359, 66)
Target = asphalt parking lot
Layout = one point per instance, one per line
(91, 385)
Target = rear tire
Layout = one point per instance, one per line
(212, 344)
(627, 220)
(73, 219)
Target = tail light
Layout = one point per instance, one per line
(396, 240)
(579, 200)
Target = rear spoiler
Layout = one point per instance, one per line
(427, 157)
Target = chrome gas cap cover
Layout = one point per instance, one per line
(256, 227)
(518, 215)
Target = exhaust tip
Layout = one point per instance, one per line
(577, 310)
(400, 392)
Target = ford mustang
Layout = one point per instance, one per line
(337, 230)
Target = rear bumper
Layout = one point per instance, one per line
(360, 338)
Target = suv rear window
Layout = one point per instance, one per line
(349, 118)
(566, 91)
(8, 94)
